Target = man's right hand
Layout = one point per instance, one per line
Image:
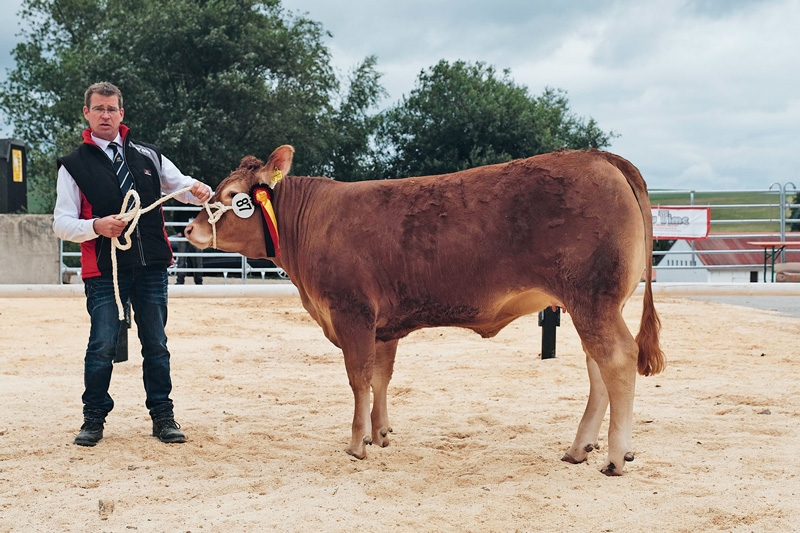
(109, 226)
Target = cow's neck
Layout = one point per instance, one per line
(296, 202)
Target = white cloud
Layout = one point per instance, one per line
(686, 91)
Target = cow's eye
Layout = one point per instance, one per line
(231, 194)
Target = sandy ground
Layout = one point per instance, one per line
(479, 428)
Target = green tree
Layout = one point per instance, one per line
(353, 157)
(795, 213)
(209, 81)
(463, 115)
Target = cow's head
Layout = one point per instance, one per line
(235, 234)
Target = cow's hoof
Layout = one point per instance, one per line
(569, 459)
(629, 457)
(611, 470)
(578, 455)
(591, 447)
(380, 438)
(356, 454)
(358, 448)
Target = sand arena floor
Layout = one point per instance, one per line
(479, 428)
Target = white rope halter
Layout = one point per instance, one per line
(219, 209)
(132, 213)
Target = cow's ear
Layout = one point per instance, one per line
(280, 160)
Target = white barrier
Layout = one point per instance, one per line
(723, 289)
(287, 290)
(270, 290)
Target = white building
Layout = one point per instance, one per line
(743, 263)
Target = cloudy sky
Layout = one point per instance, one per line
(705, 94)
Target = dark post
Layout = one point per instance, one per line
(122, 335)
(13, 176)
(549, 320)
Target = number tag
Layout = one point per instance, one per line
(243, 205)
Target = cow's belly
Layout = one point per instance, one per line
(486, 319)
(512, 307)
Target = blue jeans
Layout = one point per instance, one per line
(147, 289)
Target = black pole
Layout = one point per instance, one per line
(122, 334)
(549, 320)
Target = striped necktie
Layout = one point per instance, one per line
(123, 174)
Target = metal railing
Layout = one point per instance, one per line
(778, 216)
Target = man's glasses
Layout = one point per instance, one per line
(103, 110)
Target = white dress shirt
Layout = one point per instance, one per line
(67, 223)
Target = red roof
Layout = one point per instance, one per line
(756, 257)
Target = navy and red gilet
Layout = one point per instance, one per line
(101, 196)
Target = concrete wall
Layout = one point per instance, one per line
(28, 250)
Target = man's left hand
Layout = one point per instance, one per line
(201, 191)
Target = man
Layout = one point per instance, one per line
(91, 185)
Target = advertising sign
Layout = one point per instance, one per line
(681, 222)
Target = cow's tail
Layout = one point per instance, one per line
(651, 357)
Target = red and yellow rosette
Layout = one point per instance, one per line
(262, 195)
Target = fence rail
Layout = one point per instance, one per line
(780, 214)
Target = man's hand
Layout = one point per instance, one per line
(201, 191)
(109, 226)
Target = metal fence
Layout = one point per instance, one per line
(777, 218)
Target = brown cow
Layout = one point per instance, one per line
(376, 260)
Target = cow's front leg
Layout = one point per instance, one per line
(359, 362)
(381, 375)
(586, 440)
(358, 347)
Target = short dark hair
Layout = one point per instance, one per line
(103, 88)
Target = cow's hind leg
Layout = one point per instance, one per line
(607, 340)
(381, 374)
(588, 430)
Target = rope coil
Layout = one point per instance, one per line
(132, 214)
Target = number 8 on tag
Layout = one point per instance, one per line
(242, 205)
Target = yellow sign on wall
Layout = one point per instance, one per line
(16, 157)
